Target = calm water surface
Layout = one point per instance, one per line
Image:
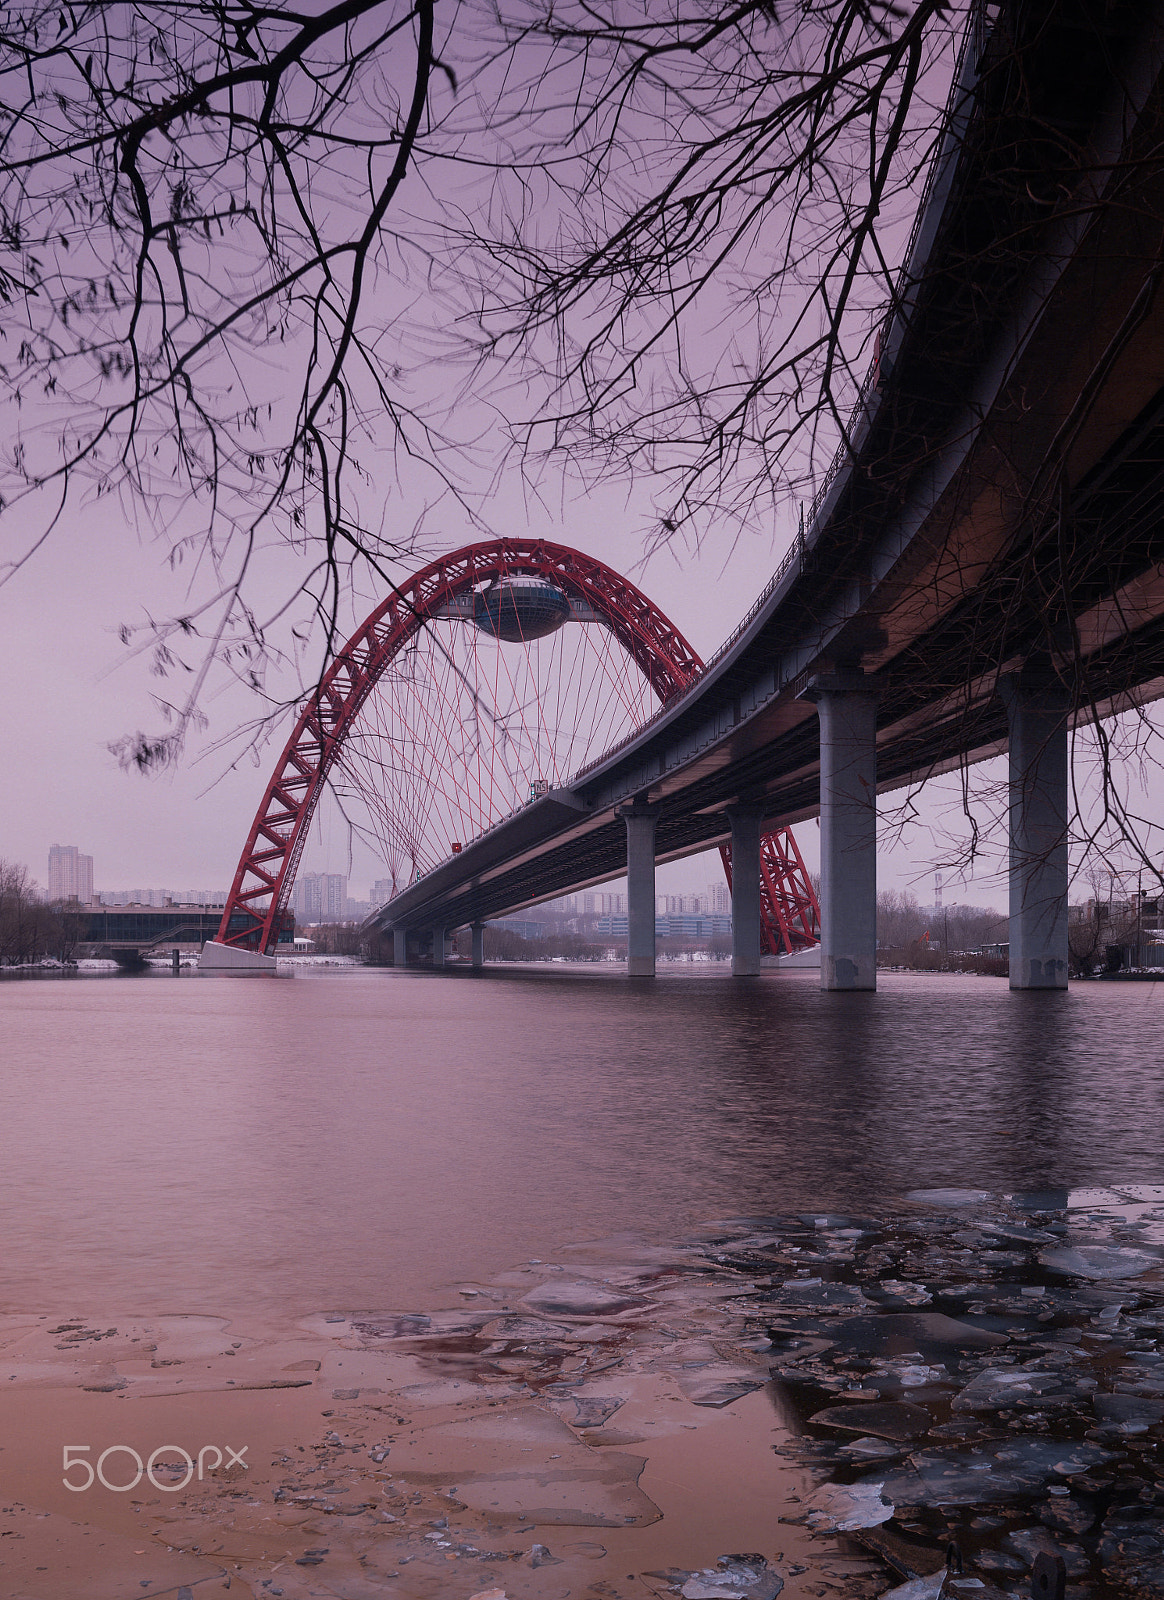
(366, 1138)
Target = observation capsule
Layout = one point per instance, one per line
(517, 609)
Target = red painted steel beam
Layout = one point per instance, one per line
(270, 857)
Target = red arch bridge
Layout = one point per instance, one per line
(476, 690)
(981, 571)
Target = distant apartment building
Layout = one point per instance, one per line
(684, 905)
(161, 897)
(677, 925)
(70, 874)
(719, 899)
(134, 897)
(320, 897)
(382, 891)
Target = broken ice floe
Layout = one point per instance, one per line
(845, 1506)
(734, 1578)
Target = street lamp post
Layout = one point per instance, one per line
(946, 927)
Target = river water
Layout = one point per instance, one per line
(366, 1138)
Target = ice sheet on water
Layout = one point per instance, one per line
(1031, 1542)
(917, 1376)
(1013, 1386)
(1097, 1261)
(893, 1294)
(580, 1297)
(812, 1294)
(845, 1506)
(832, 1222)
(526, 1330)
(949, 1197)
(927, 1588)
(589, 1411)
(719, 1386)
(416, 1324)
(889, 1419)
(1014, 1467)
(870, 1449)
(1129, 1412)
(1117, 1198)
(734, 1578)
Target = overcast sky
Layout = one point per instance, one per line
(73, 689)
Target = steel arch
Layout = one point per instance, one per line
(270, 857)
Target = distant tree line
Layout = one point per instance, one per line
(901, 922)
(30, 929)
(929, 939)
(337, 938)
(505, 944)
(1098, 930)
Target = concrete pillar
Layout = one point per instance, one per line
(478, 931)
(640, 888)
(399, 947)
(846, 703)
(745, 821)
(1036, 711)
(438, 947)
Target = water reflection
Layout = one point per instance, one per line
(365, 1138)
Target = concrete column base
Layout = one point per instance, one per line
(1037, 709)
(640, 823)
(438, 947)
(399, 947)
(745, 821)
(226, 960)
(478, 931)
(846, 703)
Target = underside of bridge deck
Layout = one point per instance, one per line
(1000, 508)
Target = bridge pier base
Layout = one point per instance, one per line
(219, 959)
(1037, 711)
(745, 821)
(846, 703)
(478, 931)
(399, 947)
(438, 947)
(640, 888)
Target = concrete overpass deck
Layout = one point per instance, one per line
(999, 503)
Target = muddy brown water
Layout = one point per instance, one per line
(218, 1195)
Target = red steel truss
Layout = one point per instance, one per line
(789, 912)
(270, 858)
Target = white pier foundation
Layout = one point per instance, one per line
(227, 960)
